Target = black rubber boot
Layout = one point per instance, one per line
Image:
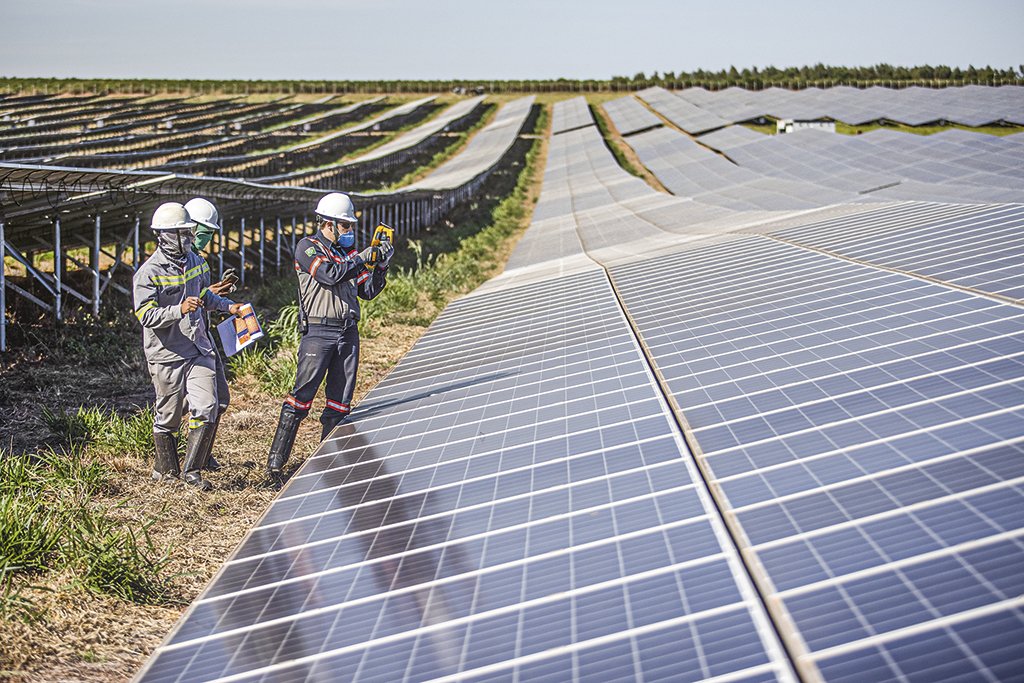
(200, 441)
(328, 427)
(281, 448)
(211, 463)
(166, 464)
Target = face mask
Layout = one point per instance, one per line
(202, 239)
(347, 240)
(174, 243)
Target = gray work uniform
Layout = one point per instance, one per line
(331, 283)
(179, 351)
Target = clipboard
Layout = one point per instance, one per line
(239, 331)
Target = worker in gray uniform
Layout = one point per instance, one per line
(333, 276)
(172, 294)
(207, 220)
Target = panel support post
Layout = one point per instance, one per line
(3, 289)
(263, 235)
(58, 268)
(241, 252)
(277, 244)
(94, 264)
(135, 244)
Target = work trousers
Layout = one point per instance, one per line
(331, 351)
(193, 380)
(223, 393)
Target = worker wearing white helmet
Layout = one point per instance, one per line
(207, 219)
(172, 294)
(333, 276)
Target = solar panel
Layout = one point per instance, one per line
(686, 116)
(570, 115)
(731, 136)
(629, 116)
(513, 499)
(978, 247)
(866, 431)
(397, 112)
(688, 169)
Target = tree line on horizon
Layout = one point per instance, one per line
(818, 75)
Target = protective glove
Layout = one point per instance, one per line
(226, 285)
(386, 252)
(371, 256)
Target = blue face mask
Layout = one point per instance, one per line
(347, 240)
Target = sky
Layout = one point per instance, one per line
(492, 39)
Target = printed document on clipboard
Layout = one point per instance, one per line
(239, 331)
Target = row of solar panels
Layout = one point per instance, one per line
(737, 168)
(314, 157)
(151, 133)
(142, 120)
(673, 441)
(32, 195)
(697, 110)
(189, 142)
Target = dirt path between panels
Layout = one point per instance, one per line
(84, 635)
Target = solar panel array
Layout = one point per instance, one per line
(740, 169)
(970, 105)
(675, 440)
(969, 246)
(864, 431)
(863, 427)
(957, 160)
(383, 160)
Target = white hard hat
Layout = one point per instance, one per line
(203, 212)
(337, 206)
(172, 216)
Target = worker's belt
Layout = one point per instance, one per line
(329, 322)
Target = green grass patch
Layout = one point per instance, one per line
(114, 558)
(612, 144)
(925, 130)
(763, 128)
(104, 431)
(48, 525)
(30, 534)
